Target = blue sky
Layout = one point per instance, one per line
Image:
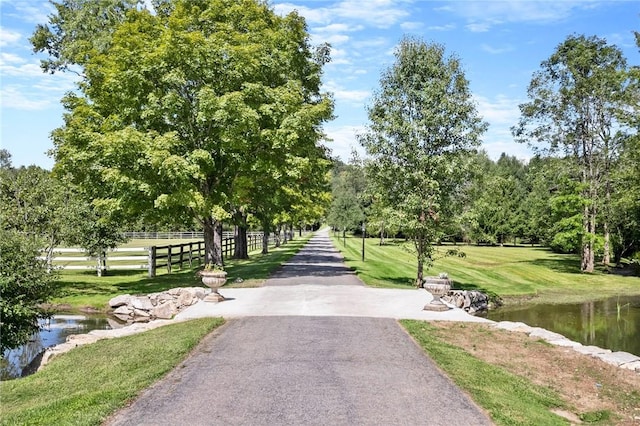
(500, 43)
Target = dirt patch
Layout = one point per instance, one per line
(590, 388)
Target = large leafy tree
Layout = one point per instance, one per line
(178, 107)
(576, 100)
(422, 124)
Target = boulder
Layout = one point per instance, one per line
(142, 303)
(165, 311)
(185, 299)
(121, 300)
(124, 310)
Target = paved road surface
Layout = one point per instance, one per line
(305, 370)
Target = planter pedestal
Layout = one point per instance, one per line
(214, 280)
(438, 287)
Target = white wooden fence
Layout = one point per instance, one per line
(147, 258)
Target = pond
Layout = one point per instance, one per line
(16, 362)
(610, 323)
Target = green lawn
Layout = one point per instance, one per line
(79, 289)
(511, 272)
(89, 383)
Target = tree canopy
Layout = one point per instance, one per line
(183, 110)
(577, 99)
(422, 123)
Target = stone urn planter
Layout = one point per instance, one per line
(214, 279)
(438, 287)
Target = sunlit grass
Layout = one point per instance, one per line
(84, 289)
(89, 383)
(507, 271)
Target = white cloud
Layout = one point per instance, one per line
(24, 70)
(34, 12)
(478, 27)
(8, 37)
(482, 15)
(411, 25)
(339, 57)
(501, 112)
(10, 58)
(15, 98)
(344, 141)
(377, 13)
(356, 97)
(496, 50)
(446, 27)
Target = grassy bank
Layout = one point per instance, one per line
(509, 399)
(84, 289)
(87, 384)
(511, 272)
(520, 380)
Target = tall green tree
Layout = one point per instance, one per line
(576, 98)
(422, 125)
(177, 106)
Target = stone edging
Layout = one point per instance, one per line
(619, 359)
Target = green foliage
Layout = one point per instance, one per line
(581, 100)
(88, 384)
(24, 284)
(347, 205)
(194, 111)
(422, 125)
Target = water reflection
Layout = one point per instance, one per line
(610, 323)
(15, 362)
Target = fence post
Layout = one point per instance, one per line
(181, 254)
(169, 258)
(152, 261)
(191, 255)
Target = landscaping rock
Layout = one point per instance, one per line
(121, 300)
(618, 358)
(142, 303)
(124, 310)
(166, 304)
(514, 326)
(591, 350)
(165, 311)
(472, 301)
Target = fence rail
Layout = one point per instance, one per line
(150, 258)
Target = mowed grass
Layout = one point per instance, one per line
(508, 398)
(81, 289)
(86, 385)
(511, 272)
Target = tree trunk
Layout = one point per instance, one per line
(606, 258)
(278, 230)
(420, 276)
(266, 229)
(240, 250)
(213, 242)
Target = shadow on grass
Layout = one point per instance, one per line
(564, 263)
(86, 285)
(400, 282)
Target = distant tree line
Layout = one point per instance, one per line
(425, 177)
